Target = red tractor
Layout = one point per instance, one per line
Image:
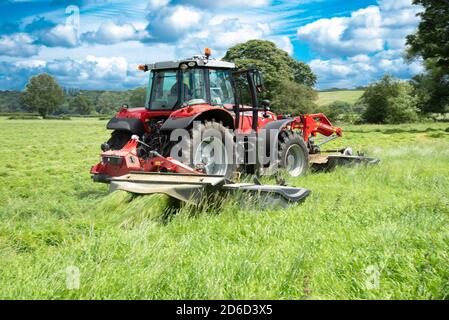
(220, 104)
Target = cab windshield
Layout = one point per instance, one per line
(169, 89)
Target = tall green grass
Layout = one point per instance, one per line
(392, 218)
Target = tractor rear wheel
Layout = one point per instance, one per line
(215, 150)
(211, 148)
(293, 154)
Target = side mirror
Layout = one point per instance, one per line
(266, 103)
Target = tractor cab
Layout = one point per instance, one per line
(198, 80)
(202, 83)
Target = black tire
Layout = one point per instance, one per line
(118, 139)
(188, 153)
(293, 154)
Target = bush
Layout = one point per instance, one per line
(389, 101)
(338, 111)
(402, 108)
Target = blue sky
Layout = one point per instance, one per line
(96, 44)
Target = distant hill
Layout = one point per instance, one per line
(329, 96)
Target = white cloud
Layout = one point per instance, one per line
(367, 30)
(156, 4)
(362, 69)
(17, 45)
(91, 68)
(389, 5)
(222, 34)
(225, 3)
(32, 64)
(92, 72)
(110, 33)
(358, 49)
(360, 33)
(172, 23)
(62, 35)
(183, 18)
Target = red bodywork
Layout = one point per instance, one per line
(120, 162)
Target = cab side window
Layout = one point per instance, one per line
(221, 92)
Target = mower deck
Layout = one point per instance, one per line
(328, 162)
(191, 187)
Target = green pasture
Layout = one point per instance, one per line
(380, 232)
(327, 97)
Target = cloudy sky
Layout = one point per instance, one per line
(96, 44)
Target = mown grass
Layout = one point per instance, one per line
(327, 97)
(393, 217)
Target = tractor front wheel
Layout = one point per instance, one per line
(118, 139)
(293, 154)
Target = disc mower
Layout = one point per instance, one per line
(202, 127)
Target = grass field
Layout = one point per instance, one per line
(364, 233)
(328, 97)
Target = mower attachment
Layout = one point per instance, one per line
(184, 187)
(328, 162)
(190, 187)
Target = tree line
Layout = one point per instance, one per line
(43, 95)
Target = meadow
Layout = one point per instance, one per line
(327, 97)
(379, 232)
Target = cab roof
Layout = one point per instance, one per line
(200, 61)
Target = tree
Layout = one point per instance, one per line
(107, 103)
(389, 101)
(81, 104)
(431, 40)
(43, 94)
(432, 89)
(138, 97)
(276, 65)
(293, 98)
(431, 43)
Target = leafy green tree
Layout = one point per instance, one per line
(302, 73)
(431, 40)
(389, 101)
(432, 89)
(276, 65)
(81, 104)
(137, 97)
(403, 106)
(431, 43)
(293, 98)
(43, 94)
(107, 103)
